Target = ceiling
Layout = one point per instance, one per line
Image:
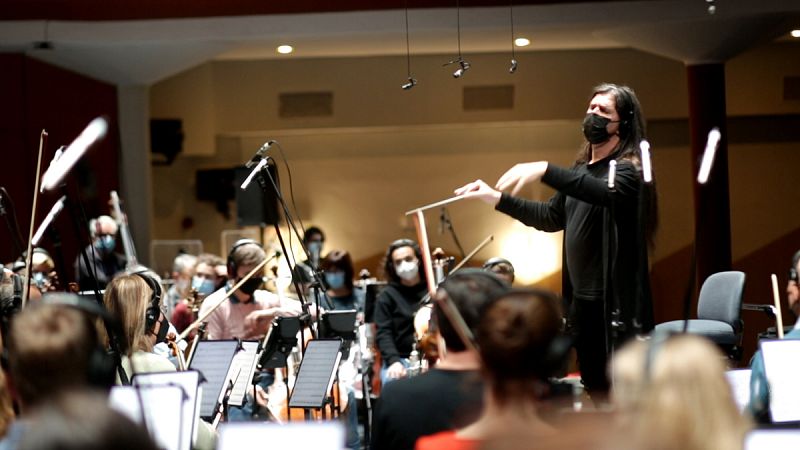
(140, 42)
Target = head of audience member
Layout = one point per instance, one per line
(403, 263)
(470, 290)
(130, 299)
(205, 279)
(672, 393)
(244, 256)
(500, 267)
(339, 272)
(792, 287)
(314, 240)
(50, 350)
(515, 337)
(103, 231)
(182, 271)
(83, 421)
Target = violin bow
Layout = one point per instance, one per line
(29, 255)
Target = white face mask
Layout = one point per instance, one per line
(407, 270)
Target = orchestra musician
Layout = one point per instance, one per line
(106, 263)
(450, 395)
(183, 267)
(500, 267)
(248, 312)
(515, 339)
(341, 294)
(606, 230)
(396, 305)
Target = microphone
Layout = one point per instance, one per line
(259, 154)
(57, 207)
(93, 132)
(714, 137)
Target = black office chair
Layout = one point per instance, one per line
(719, 311)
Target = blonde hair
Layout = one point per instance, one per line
(675, 395)
(127, 298)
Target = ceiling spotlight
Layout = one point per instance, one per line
(284, 49)
(712, 8)
(464, 66)
(411, 83)
(513, 67)
(522, 42)
(795, 33)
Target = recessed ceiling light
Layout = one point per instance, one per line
(285, 49)
(522, 42)
(795, 33)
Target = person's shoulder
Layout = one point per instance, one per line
(145, 362)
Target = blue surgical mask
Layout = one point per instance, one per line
(105, 244)
(315, 250)
(334, 280)
(40, 279)
(204, 286)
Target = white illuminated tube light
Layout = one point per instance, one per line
(714, 137)
(647, 167)
(93, 132)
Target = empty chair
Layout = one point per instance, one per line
(719, 309)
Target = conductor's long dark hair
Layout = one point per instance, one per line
(632, 131)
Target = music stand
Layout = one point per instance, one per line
(282, 338)
(316, 375)
(339, 324)
(161, 409)
(241, 372)
(781, 367)
(370, 297)
(189, 383)
(213, 359)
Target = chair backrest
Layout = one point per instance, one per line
(721, 298)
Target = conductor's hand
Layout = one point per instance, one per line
(520, 175)
(481, 190)
(396, 370)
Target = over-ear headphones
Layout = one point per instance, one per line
(232, 267)
(153, 312)
(101, 371)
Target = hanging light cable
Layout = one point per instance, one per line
(463, 65)
(513, 67)
(411, 80)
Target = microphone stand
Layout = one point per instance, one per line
(113, 338)
(449, 224)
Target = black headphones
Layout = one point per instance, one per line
(232, 267)
(102, 369)
(153, 312)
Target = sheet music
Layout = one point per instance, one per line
(316, 374)
(162, 411)
(244, 361)
(213, 360)
(772, 439)
(189, 382)
(782, 368)
(739, 381)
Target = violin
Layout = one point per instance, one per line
(425, 332)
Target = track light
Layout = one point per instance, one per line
(411, 83)
(513, 67)
(463, 66)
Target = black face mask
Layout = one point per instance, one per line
(250, 286)
(594, 128)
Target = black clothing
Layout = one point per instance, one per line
(106, 267)
(604, 249)
(394, 318)
(435, 401)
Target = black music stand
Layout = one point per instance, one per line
(316, 375)
(213, 359)
(282, 338)
(371, 295)
(339, 324)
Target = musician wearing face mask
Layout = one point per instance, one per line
(249, 311)
(303, 273)
(340, 294)
(204, 282)
(182, 272)
(607, 226)
(106, 263)
(396, 305)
